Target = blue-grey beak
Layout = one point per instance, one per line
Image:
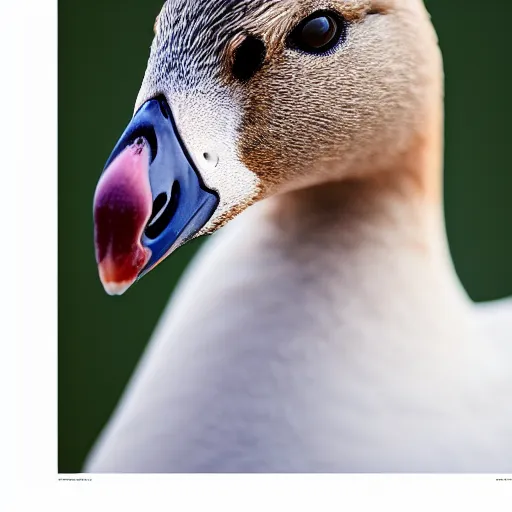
(149, 200)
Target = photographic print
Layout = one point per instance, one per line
(284, 237)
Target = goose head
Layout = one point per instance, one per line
(245, 99)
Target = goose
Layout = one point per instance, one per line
(323, 329)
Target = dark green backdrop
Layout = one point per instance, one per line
(103, 47)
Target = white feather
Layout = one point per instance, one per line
(343, 351)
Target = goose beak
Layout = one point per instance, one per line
(149, 200)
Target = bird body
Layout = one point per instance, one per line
(275, 356)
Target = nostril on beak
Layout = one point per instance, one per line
(164, 208)
(158, 204)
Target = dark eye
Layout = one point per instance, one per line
(249, 58)
(319, 32)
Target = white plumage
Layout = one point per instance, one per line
(352, 350)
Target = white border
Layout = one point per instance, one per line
(28, 128)
(28, 362)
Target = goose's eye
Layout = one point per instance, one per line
(318, 33)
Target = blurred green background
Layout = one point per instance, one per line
(103, 48)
